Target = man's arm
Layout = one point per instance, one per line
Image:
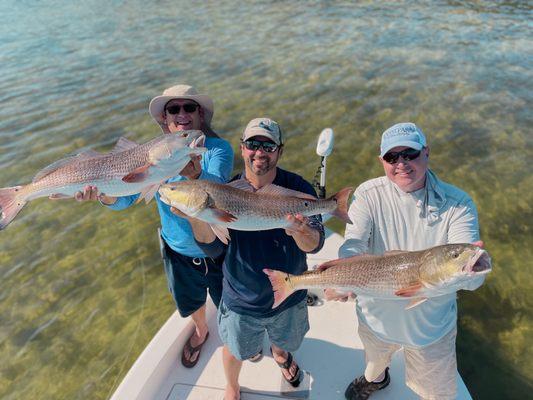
(358, 233)
(203, 235)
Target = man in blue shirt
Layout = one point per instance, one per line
(245, 313)
(189, 271)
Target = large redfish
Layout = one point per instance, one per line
(128, 169)
(237, 206)
(396, 275)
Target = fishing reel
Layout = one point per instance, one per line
(324, 148)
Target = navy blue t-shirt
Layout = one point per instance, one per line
(246, 288)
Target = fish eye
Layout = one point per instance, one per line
(455, 254)
(306, 203)
(185, 134)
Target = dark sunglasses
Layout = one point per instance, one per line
(188, 108)
(254, 145)
(408, 154)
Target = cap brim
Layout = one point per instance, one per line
(412, 145)
(158, 103)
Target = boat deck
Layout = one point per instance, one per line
(331, 353)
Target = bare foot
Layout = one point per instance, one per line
(232, 393)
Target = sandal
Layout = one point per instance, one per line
(187, 363)
(297, 377)
(258, 357)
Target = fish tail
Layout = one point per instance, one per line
(11, 202)
(281, 285)
(341, 198)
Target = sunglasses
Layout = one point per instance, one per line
(254, 145)
(189, 108)
(408, 154)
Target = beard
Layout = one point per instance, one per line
(265, 165)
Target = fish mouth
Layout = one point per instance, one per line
(480, 263)
(198, 142)
(162, 195)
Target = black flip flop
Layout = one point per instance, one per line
(187, 363)
(297, 378)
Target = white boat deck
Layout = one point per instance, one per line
(331, 353)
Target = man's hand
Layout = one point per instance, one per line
(91, 193)
(298, 225)
(193, 169)
(306, 237)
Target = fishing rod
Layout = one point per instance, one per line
(324, 148)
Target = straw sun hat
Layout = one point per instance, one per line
(157, 105)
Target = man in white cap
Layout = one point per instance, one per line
(245, 314)
(408, 209)
(189, 271)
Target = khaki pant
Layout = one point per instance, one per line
(431, 371)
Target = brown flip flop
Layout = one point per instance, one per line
(187, 363)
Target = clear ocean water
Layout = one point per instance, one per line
(82, 288)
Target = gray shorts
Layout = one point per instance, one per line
(244, 335)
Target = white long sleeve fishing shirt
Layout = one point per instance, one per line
(386, 218)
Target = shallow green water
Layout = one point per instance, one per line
(82, 288)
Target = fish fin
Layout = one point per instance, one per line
(343, 261)
(221, 232)
(148, 193)
(328, 264)
(280, 285)
(52, 167)
(222, 216)
(276, 190)
(137, 175)
(10, 204)
(86, 155)
(416, 301)
(241, 184)
(394, 252)
(409, 291)
(123, 144)
(341, 198)
(59, 196)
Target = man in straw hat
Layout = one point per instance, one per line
(189, 271)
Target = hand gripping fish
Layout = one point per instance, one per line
(128, 169)
(235, 205)
(417, 275)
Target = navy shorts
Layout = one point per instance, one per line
(190, 278)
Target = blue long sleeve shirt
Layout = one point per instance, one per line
(217, 164)
(246, 288)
